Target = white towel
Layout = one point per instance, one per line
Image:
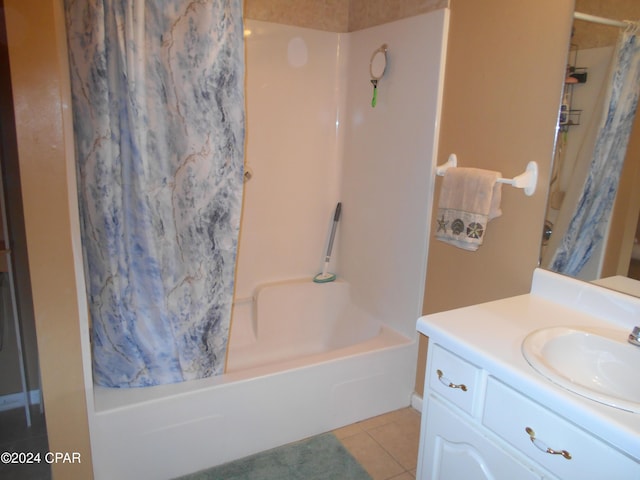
(469, 198)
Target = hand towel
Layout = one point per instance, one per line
(469, 198)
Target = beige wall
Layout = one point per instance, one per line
(503, 83)
(502, 91)
(328, 15)
(337, 15)
(40, 90)
(592, 35)
(368, 13)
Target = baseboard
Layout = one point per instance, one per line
(416, 402)
(16, 400)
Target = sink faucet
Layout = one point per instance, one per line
(634, 336)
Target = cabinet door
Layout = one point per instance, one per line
(450, 448)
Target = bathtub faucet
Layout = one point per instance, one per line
(634, 337)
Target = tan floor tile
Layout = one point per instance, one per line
(347, 431)
(386, 418)
(373, 458)
(404, 476)
(409, 414)
(375, 422)
(401, 440)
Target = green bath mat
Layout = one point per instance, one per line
(317, 458)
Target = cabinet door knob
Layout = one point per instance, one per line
(445, 381)
(540, 445)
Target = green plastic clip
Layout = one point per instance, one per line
(374, 100)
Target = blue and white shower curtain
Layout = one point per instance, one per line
(158, 108)
(588, 224)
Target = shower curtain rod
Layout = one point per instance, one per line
(592, 18)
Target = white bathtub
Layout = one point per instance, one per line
(302, 360)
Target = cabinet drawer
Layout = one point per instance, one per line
(453, 378)
(533, 429)
(453, 448)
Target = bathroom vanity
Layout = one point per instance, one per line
(489, 412)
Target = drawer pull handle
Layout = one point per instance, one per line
(445, 381)
(540, 445)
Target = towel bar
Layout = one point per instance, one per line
(526, 180)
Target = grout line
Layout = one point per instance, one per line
(404, 470)
(361, 429)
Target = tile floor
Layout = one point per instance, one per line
(387, 445)
(15, 436)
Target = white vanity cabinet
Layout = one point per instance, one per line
(476, 427)
(551, 441)
(452, 447)
(454, 444)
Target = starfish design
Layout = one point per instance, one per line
(442, 224)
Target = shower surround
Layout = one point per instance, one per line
(158, 103)
(313, 139)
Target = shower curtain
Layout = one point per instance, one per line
(158, 109)
(589, 221)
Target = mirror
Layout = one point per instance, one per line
(377, 67)
(589, 56)
(378, 63)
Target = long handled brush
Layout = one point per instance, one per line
(325, 276)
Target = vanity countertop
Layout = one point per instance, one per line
(490, 335)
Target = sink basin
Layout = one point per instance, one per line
(596, 363)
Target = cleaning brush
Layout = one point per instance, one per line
(325, 276)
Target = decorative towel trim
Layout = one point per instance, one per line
(469, 198)
(461, 229)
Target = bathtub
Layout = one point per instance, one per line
(303, 359)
